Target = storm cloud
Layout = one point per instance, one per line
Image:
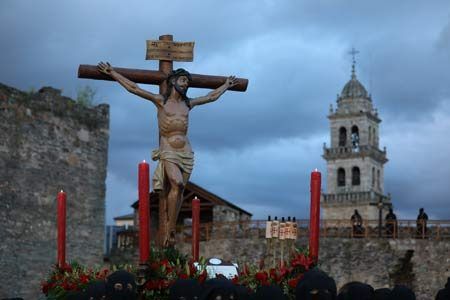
(257, 148)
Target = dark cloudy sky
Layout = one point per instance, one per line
(257, 148)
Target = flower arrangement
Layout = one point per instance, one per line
(165, 267)
(168, 265)
(71, 277)
(287, 275)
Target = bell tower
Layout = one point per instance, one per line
(355, 164)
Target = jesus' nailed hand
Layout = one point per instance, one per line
(175, 154)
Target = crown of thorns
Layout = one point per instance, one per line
(179, 72)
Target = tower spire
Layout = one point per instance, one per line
(353, 52)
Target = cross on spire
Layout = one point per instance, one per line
(353, 53)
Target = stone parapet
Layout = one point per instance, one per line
(350, 152)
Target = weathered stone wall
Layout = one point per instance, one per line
(420, 264)
(378, 262)
(346, 210)
(48, 143)
(222, 213)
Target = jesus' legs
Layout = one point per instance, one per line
(174, 198)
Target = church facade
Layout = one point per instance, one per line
(355, 162)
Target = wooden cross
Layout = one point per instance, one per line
(166, 51)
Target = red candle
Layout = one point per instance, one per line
(314, 219)
(61, 204)
(195, 228)
(144, 212)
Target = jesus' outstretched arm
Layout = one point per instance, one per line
(131, 86)
(214, 95)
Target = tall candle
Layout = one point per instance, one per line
(314, 219)
(268, 228)
(275, 228)
(195, 228)
(288, 229)
(294, 229)
(144, 212)
(282, 231)
(61, 204)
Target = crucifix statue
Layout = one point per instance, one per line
(174, 155)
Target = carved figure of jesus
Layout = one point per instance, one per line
(175, 156)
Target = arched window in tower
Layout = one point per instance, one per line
(355, 137)
(378, 179)
(341, 177)
(374, 137)
(370, 135)
(356, 176)
(373, 177)
(342, 137)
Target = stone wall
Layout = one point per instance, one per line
(420, 264)
(222, 213)
(345, 211)
(378, 262)
(48, 143)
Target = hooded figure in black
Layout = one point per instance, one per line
(96, 290)
(218, 289)
(74, 295)
(391, 224)
(316, 284)
(271, 292)
(401, 292)
(121, 285)
(356, 290)
(421, 222)
(185, 289)
(357, 224)
(243, 292)
(382, 294)
(444, 294)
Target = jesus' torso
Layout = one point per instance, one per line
(173, 120)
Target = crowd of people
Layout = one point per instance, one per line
(315, 285)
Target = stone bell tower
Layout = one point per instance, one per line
(354, 161)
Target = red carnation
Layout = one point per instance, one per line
(192, 269)
(274, 275)
(46, 287)
(293, 282)
(202, 276)
(164, 262)
(151, 285)
(164, 284)
(302, 260)
(262, 277)
(84, 278)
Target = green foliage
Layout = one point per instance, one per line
(86, 95)
(171, 254)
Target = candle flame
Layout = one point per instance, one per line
(315, 170)
(143, 161)
(62, 191)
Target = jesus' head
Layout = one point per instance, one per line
(179, 80)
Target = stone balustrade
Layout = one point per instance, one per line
(349, 152)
